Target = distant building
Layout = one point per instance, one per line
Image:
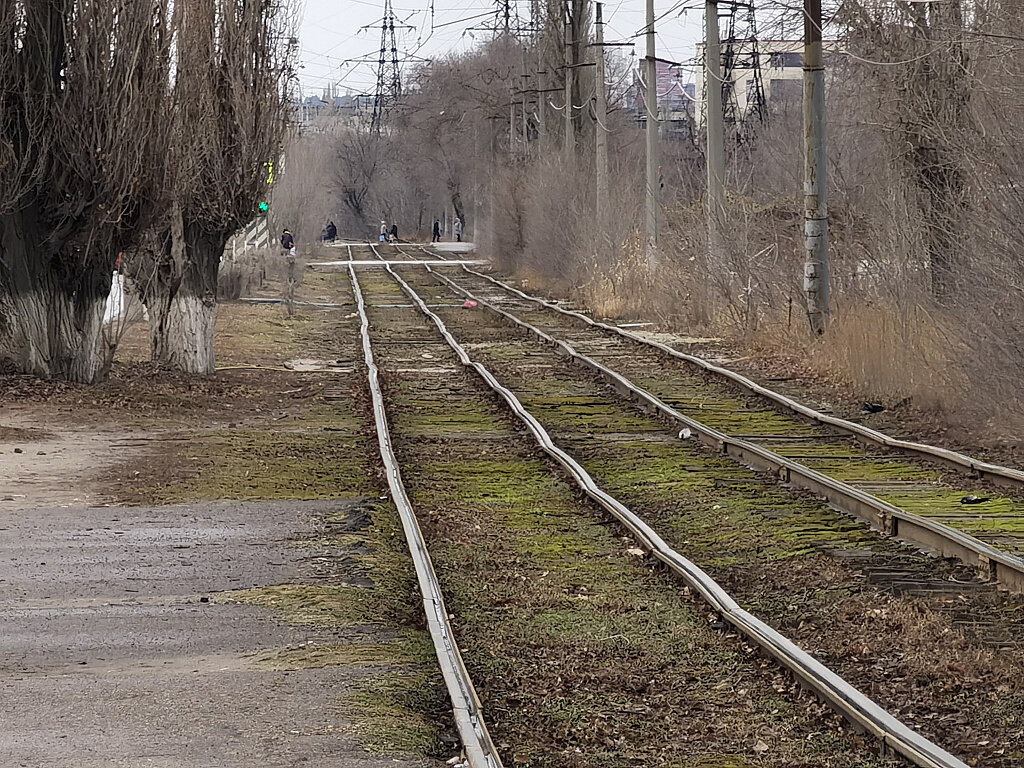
(675, 101)
(331, 111)
(779, 67)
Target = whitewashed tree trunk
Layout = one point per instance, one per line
(51, 316)
(182, 299)
(181, 332)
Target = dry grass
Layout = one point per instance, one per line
(880, 352)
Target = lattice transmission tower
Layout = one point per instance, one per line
(741, 61)
(389, 75)
(506, 18)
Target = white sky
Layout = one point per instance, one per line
(330, 34)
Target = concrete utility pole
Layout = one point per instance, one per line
(542, 101)
(653, 159)
(511, 121)
(541, 82)
(715, 156)
(601, 132)
(570, 139)
(524, 128)
(816, 267)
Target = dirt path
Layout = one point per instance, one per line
(277, 629)
(51, 464)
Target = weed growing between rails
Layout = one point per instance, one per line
(704, 397)
(763, 547)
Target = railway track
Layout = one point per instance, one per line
(909, 490)
(478, 749)
(546, 424)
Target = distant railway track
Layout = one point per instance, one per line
(890, 484)
(894, 736)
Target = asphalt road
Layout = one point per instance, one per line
(109, 656)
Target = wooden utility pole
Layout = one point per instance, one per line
(816, 266)
(653, 160)
(569, 146)
(601, 132)
(715, 155)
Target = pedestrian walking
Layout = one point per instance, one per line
(457, 227)
(288, 242)
(437, 231)
(383, 231)
(331, 232)
(394, 234)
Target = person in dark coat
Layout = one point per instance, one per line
(437, 231)
(331, 232)
(394, 233)
(287, 241)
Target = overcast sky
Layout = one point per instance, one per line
(332, 35)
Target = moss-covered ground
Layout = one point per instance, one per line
(584, 654)
(914, 485)
(810, 571)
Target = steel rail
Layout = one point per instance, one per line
(478, 748)
(995, 564)
(840, 695)
(997, 473)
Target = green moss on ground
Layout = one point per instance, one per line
(721, 407)
(267, 463)
(584, 653)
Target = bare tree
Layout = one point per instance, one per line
(303, 194)
(83, 85)
(927, 113)
(228, 118)
(359, 160)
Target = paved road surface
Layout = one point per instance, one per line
(109, 658)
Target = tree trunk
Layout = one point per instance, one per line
(51, 308)
(939, 130)
(460, 212)
(182, 299)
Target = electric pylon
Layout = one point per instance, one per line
(741, 59)
(389, 76)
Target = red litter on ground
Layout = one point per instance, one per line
(469, 303)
